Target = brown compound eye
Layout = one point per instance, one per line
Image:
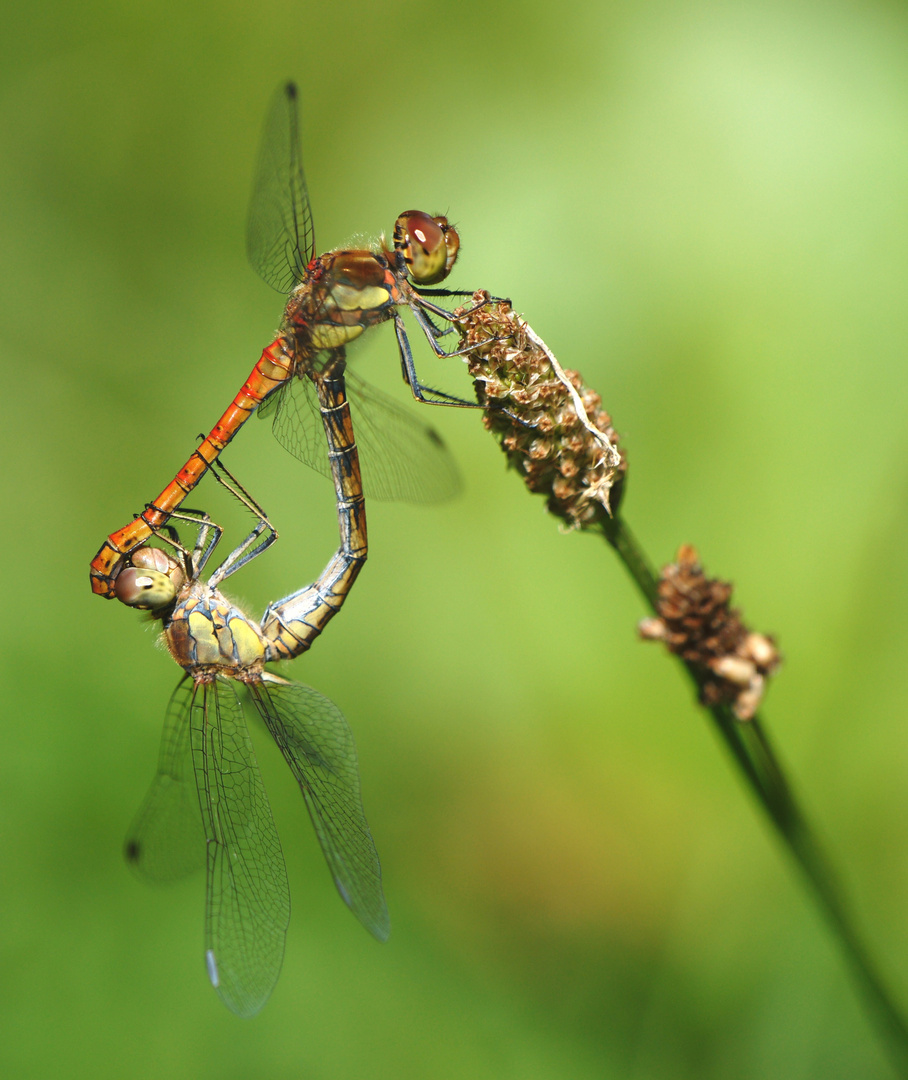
(429, 245)
(452, 241)
(151, 581)
(146, 590)
(150, 558)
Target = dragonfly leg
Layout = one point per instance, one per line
(408, 370)
(428, 329)
(443, 292)
(196, 559)
(244, 552)
(443, 313)
(251, 547)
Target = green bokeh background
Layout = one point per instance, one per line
(704, 207)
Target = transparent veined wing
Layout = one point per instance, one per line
(317, 744)
(165, 841)
(280, 238)
(401, 457)
(247, 907)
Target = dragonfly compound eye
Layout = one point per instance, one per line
(429, 245)
(147, 590)
(150, 558)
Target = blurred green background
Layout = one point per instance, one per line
(704, 208)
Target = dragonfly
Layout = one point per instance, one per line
(333, 299)
(207, 759)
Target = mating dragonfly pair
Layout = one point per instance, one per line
(207, 761)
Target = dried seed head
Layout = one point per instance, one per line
(730, 662)
(549, 424)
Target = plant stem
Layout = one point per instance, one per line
(750, 747)
(557, 437)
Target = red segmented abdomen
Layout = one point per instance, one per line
(275, 366)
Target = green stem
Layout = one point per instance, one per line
(631, 554)
(750, 746)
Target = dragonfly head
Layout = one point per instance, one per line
(429, 246)
(151, 581)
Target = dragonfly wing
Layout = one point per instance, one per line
(165, 841)
(298, 424)
(280, 238)
(317, 744)
(401, 457)
(247, 908)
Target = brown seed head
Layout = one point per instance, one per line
(549, 424)
(730, 662)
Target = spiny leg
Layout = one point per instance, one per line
(251, 547)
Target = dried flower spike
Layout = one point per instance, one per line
(730, 662)
(549, 424)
